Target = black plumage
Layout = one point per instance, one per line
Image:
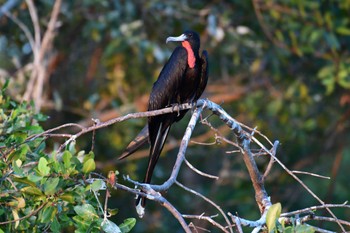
(182, 80)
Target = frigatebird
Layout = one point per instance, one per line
(182, 80)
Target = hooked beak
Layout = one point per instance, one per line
(183, 37)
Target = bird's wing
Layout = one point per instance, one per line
(135, 144)
(204, 75)
(165, 89)
(164, 93)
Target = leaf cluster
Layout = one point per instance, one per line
(44, 190)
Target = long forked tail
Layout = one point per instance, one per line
(156, 149)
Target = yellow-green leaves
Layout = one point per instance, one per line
(50, 185)
(272, 216)
(127, 225)
(86, 211)
(43, 169)
(89, 166)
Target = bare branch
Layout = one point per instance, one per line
(209, 201)
(151, 191)
(244, 222)
(206, 218)
(6, 7)
(302, 184)
(35, 20)
(311, 174)
(200, 172)
(272, 161)
(158, 198)
(22, 26)
(314, 208)
(309, 217)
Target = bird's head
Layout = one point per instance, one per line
(187, 38)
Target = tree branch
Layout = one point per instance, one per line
(244, 139)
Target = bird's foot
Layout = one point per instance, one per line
(140, 209)
(178, 106)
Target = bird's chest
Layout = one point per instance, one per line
(189, 84)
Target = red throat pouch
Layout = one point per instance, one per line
(191, 59)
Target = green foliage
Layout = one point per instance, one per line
(273, 225)
(272, 216)
(42, 190)
(301, 228)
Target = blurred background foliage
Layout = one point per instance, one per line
(283, 66)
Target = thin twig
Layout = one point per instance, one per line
(205, 143)
(35, 21)
(312, 217)
(311, 174)
(299, 181)
(96, 121)
(314, 208)
(47, 132)
(207, 200)
(206, 218)
(23, 27)
(200, 172)
(272, 160)
(160, 200)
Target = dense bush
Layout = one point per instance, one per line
(46, 189)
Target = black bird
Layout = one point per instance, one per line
(182, 80)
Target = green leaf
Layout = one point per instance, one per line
(50, 185)
(112, 211)
(16, 165)
(98, 185)
(288, 230)
(81, 224)
(47, 213)
(272, 215)
(19, 153)
(304, 229)
(15, 217)
(71, 147)
(32, 191)
(332, 40)
(89, 166)
(86, 211)
(34, 178)
(42, 167)
(344, 75)
(68, 197)
(66, 157)
(24, 180)
(127, 225)
(343, 31)
(110, 227)
(55, 226)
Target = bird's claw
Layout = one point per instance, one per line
(178, 108)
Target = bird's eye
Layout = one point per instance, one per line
(189, 34)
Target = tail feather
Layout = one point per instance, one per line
(156, 149)
(135, 144)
